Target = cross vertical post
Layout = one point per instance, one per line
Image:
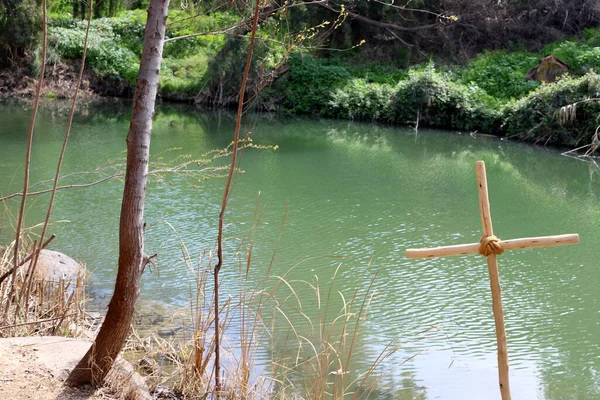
(498, 311)
(490, 246)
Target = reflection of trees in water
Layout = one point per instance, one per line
(569, 337)
(571, 375)
(311, 358)
(401, 387)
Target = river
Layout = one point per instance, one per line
(356, 195)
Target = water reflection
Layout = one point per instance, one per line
(358, 195)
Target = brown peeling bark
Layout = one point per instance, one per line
(99, 359)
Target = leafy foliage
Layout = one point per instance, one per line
(441, 102)
(536, 117)
(106, 53)
(580, 57)
(426, 94)
(362, 100)
(502, 74)
(20, 22)
(308, 85)
(592, 36)
(183, 78)
(182, 25)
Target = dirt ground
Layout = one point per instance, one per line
(59, 82)
(34, 368)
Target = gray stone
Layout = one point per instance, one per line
(53, 266)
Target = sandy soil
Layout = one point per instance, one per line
(34, 368)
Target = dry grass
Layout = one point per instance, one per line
(313, 361)
(52, 308)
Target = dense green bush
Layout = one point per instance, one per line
(182, 25)
(182, 79)
(116, 43)
(580, 57)
(310, 82)
(20, 22)
(129, 27)
(502, 74)
(361, 100)
(60, 7)
(537, 117)
(592, 36)
(443, 103)
(107, 54)
(376, 72)
(427, 94)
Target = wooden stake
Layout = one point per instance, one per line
(514, 244)
(488, 230)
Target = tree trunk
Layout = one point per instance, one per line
(99, 359)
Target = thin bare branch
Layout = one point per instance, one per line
(29, 257)
(61, 156)
(215, 32)
(379, 24)
(36, 104)
(226, 193)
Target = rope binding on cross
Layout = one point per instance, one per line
(490, 245)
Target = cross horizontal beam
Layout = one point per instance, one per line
(511, 244)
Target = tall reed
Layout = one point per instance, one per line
(277, 343)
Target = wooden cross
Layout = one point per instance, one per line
(490, 246)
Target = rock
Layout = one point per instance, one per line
(147, 365)
(53, 266)
(549, 70)
(130, 384)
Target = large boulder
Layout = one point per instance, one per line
(53, 266)
(549, 70)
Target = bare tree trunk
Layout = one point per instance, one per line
(99, 359)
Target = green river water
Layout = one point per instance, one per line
(357, 195)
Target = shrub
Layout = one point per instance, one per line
(115, 44)
(182, 25)
(377, 73)
(426, 93)
(310, 82)
(128, 26)
(592, 36)
(536, 118)
(502, 74)
(361, 100)
(112, 45)
(580, 57)
(20, 22)
(106, 55)
(443, 103)
(182, 79)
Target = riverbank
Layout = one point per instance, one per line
(561, 114)
(465, 69)
(37, 366)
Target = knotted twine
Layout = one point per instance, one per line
(490, 245)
